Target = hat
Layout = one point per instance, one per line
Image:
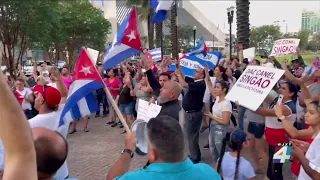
(51, 95)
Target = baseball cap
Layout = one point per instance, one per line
(51, 95)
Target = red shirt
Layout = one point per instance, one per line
(116, 83)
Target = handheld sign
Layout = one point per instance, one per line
(249, 53)
(282, 153)
(254, 85)
(283, 47)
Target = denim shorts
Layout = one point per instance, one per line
(126, 109)
(257, 129)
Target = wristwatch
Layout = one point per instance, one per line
(128, 151)
(281, 118)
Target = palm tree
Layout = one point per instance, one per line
(174, 31)
(145, 13)
(243, 25)
(158, 28)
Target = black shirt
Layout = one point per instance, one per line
(171, 109)
(193, 100)
(125, 97)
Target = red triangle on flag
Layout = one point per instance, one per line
(85, 69)
(131, 36)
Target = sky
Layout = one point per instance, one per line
(261, 12)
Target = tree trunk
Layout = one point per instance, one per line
(174, 31)
(158, 34)
(150, 29)
(243, 25)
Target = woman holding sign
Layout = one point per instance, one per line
(275, 132)
(302, 150)
(220, 116)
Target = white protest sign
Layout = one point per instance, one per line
(94, 54)
(283, 47)
(249, 53)
(254, 85)
(146, 111)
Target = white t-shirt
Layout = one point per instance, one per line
(51, 121)
(25, 93)
(313, 155)
(219, 107)
(206, 97)
(180, 97)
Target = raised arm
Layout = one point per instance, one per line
(60, 85)
(16, 136)
(209, 83)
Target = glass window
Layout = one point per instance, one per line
(97, 2)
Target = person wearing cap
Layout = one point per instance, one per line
(50, 102)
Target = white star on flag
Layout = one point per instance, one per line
(131, 36)
(86, 70)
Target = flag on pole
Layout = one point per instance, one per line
(81, 101)
(156, 54)
(189, 64)
(200, 48)
(161, 8)
(126, 42)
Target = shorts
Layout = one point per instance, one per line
(257, 129)
(126, 109)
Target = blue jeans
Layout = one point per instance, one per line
(126, 109)
(102, 98)
(241, 112)
(216, 136)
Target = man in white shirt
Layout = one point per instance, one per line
(50, 103)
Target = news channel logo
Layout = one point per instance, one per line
(282, 153)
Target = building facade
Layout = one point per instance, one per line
(310, 21)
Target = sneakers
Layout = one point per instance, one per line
(97, 115)
(109, 123)
(114, 124)
(120, 124)
(206, 146)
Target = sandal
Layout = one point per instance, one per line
(123, 132)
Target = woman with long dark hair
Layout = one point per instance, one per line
(220, 116)
(274, 131)
(231, 165)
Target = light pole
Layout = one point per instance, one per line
(230, 21)
(194, 35)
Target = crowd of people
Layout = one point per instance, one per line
(200, 100)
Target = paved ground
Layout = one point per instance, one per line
(93, 153)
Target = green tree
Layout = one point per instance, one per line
(82, 25)
(145, 13)
(243, 25)
(264, 35)
(185, 37)
(21, 21)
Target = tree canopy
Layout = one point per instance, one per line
(49, 24)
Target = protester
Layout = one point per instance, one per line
(27, 97)
(142, 91)
(220, 116)
(166, 159)
(66, 78)
(192, 105)
(16, 137)
(50, 103)
(231, 164)
(114, 84)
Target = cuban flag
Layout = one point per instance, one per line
(161, 8)
(126, 42)
(81, 101)
(156, 54)
(200, 48)
(311, 69)
(189, 64)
